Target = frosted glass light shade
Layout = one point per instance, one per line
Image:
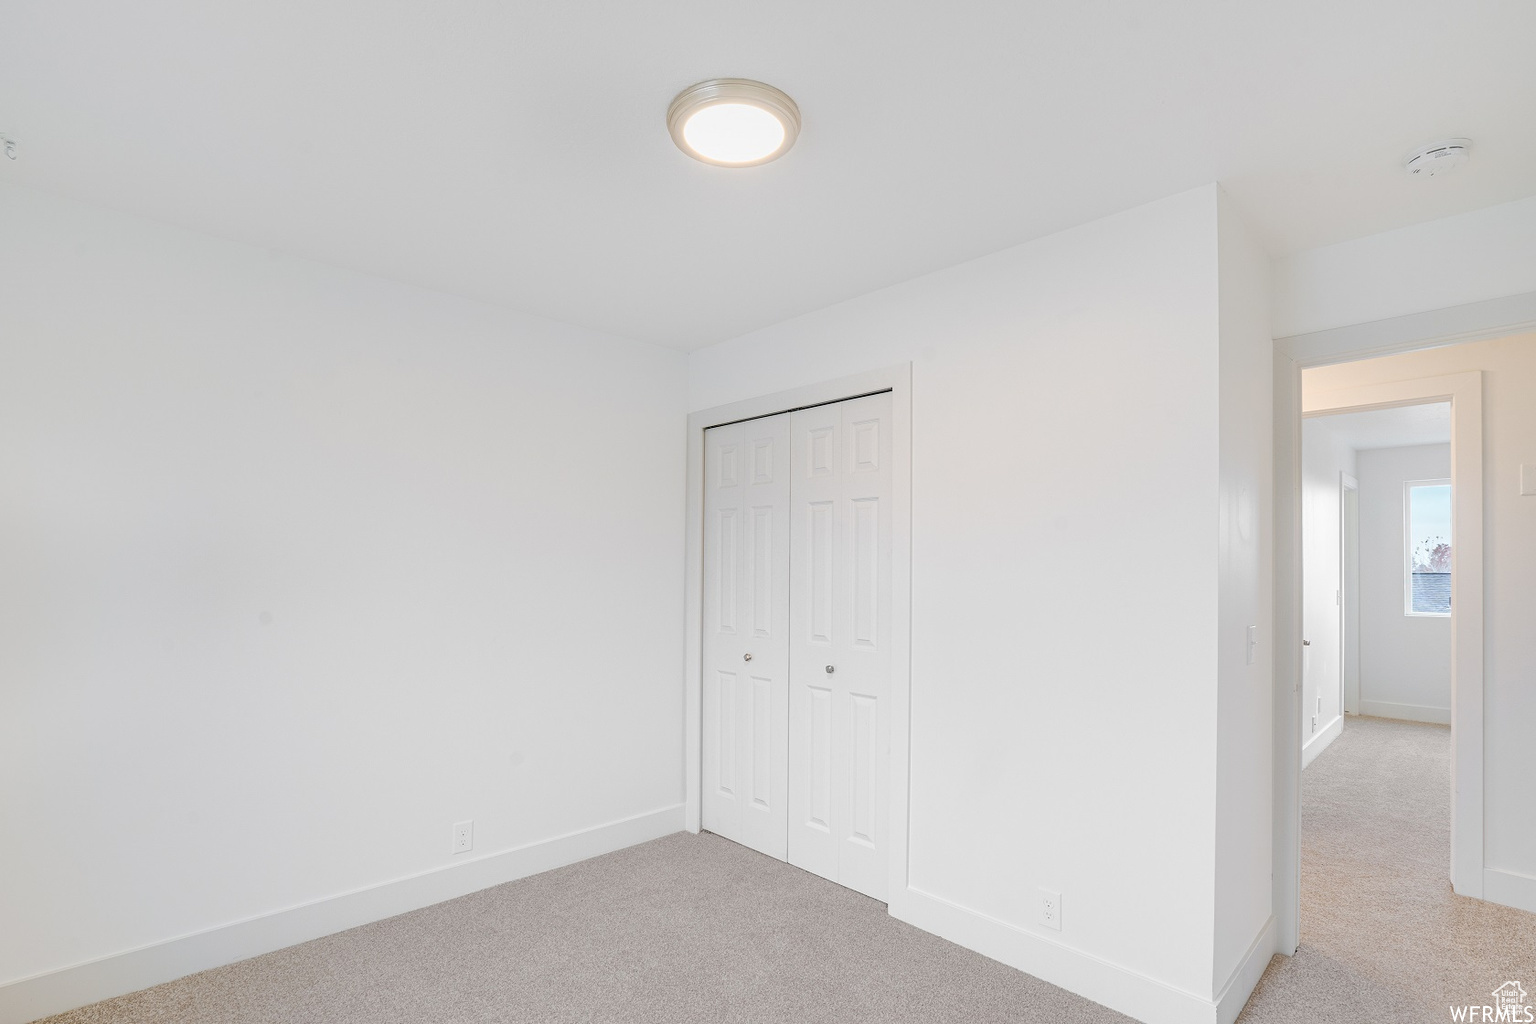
(733, 122)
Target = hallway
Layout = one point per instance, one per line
(1382, 935)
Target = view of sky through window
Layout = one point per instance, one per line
(1429, 548)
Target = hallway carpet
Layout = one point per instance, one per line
(694, 929)
(1383, 937)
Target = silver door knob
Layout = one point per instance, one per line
(746, 657)
(1306, 643)
(829, 670)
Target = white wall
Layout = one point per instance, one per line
(1485, 254)
(1508, 366)
(1405, 660)
(1066, 443)
(302, 566)
(1323, 457)
(1245, 706)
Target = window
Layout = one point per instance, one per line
(1429, 548)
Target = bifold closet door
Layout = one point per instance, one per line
(745, 716)
(840, 641)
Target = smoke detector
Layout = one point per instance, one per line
(1437, 157)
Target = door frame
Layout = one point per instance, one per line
(1349, 543)
(897, 380)
(1475, 321)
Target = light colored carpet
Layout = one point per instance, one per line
(695, 929)
(1382, 935)
(683, 929)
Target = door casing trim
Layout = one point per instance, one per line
(1348, 540)
(1452, 325)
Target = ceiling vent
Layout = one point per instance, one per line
(1437, 158)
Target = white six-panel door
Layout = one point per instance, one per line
(840, 640)
(745, 708)
(797, 636)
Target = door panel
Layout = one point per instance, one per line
(816, 715)
(839, 719)
(818, 806)
(797, 612)
(746, 642)
(724, 720)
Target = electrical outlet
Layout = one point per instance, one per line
(1314, 723)
(1253, 642)
(1050, 908)
(463, 837)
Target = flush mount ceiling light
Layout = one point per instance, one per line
(733, 122)
(1437, 157)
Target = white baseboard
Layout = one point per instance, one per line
(1091, 977)
(1509, 888)
(67, 988)
(1406, 712)
(1239, 987)
(1319, 742)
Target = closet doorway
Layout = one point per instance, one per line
(801, 640)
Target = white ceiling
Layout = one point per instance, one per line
(1392, 428)
(516, 150)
